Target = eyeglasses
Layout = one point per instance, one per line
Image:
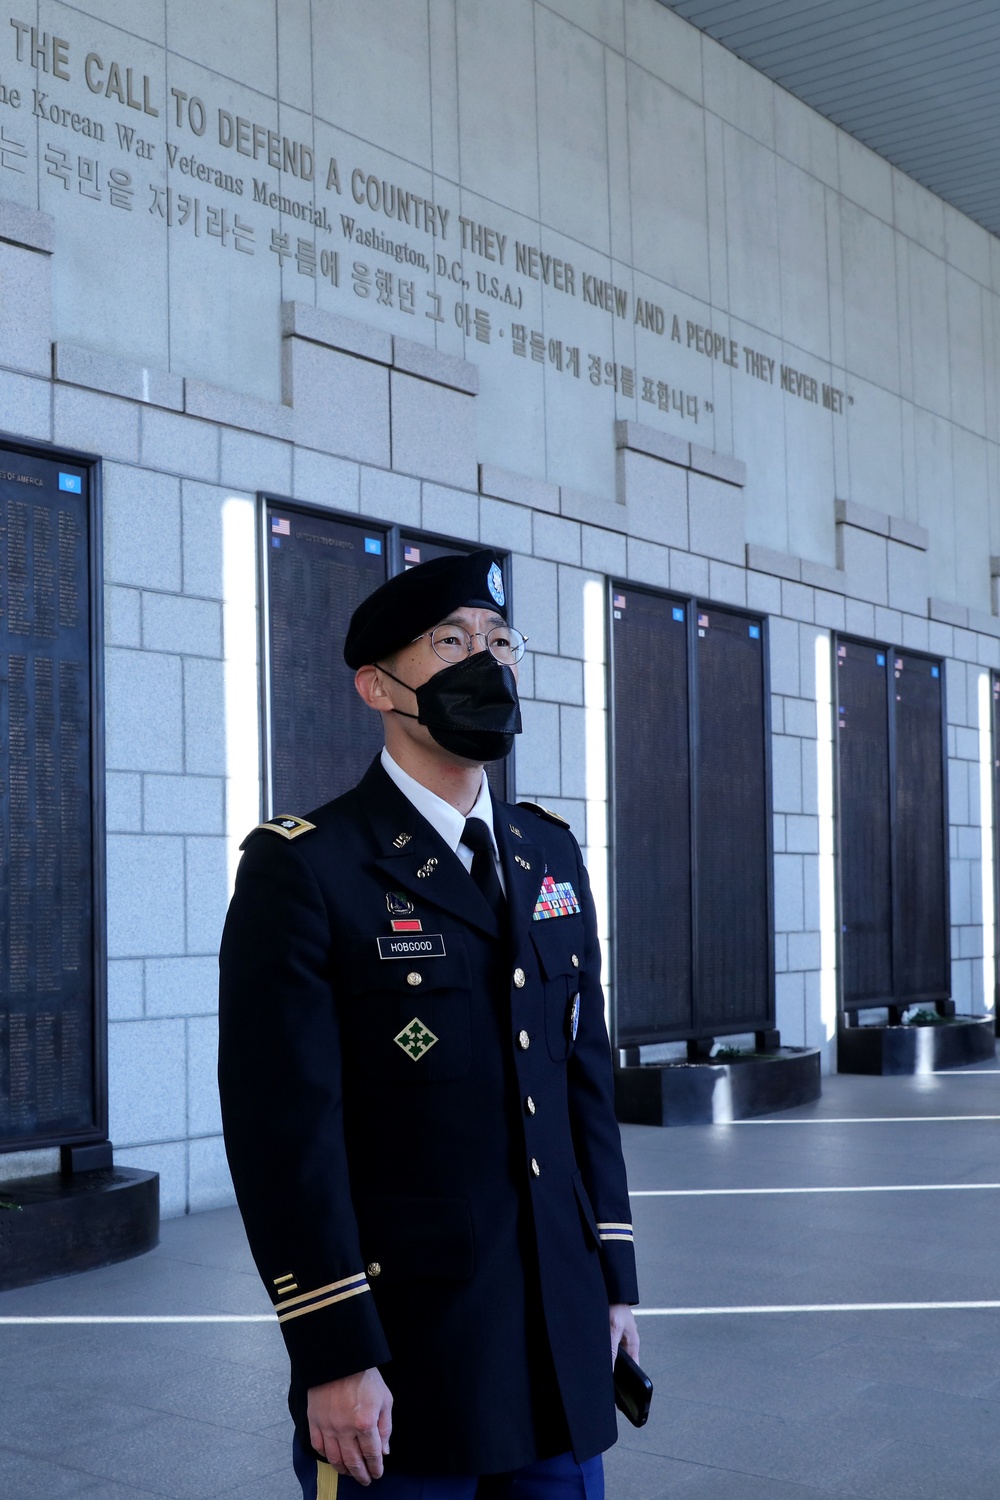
(453, 643)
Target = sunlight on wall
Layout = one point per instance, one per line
(827, 865)
(239, 617)
(987, 813)
(596, 753)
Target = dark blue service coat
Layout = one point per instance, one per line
(420, 1126)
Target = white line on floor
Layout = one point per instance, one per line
(812, 1307)
(150, 1318)
(920, 1187)
(866, 1120)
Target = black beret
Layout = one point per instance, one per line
(410, 603)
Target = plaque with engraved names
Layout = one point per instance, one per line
(691, 820)
(49, 1010)
(322, 737)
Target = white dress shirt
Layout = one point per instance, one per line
(444, 818)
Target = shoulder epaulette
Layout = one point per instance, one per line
(285, 825)
(546, 812)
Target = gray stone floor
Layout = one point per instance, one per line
(835, 1399)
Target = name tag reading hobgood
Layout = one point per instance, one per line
(424, 945)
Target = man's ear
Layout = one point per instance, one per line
(372, 689)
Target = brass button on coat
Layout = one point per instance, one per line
(414, 978)
(529, 1105)
(523, 1040)
(535, 1168)
(374, 1269)
(519, 979)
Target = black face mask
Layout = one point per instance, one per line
(471, 708)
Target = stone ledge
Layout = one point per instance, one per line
(23, 226)
(504, 484)
(909, 533)
(596, 510)
(984, 623)
(849, 513)
(948, 614)
(719, 466)
(300, 320)
(821, 576)
(638, 438)
(655, 444)
(440, 369)
(230, 409)
(73, 365)
(781, 564)
(880, 523)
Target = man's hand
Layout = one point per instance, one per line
(623, 1330)
(349, 1423)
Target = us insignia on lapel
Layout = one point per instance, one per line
(555, 899)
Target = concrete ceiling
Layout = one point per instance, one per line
(916, 80)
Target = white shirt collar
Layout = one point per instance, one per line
(442, 817)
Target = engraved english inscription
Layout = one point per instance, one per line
(47, 1085)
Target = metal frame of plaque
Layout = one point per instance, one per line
(341, 526)
(704, 1014)
(995, 789)
(896, 996)
(54, 1074)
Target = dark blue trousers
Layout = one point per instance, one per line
(559, 1478)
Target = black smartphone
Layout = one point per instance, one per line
(633, 1389)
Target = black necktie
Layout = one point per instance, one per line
(476, 836)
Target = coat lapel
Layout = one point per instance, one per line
(523, 868)
(414, 857)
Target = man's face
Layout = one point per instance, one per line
(417, 662)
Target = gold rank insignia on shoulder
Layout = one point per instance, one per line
(285, 824)
(546, 812)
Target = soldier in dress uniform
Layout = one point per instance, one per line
(417, 1089)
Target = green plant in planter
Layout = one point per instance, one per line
(926, 1018)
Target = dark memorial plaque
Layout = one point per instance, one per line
(733, 963)
(864, 829)
(691, 821)
(322, 737)
(995, 679)
(51, 1014)
(652, 819)
(922, 957)
(894, 939)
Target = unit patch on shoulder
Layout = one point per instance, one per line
(546, 812)
(285, 825)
